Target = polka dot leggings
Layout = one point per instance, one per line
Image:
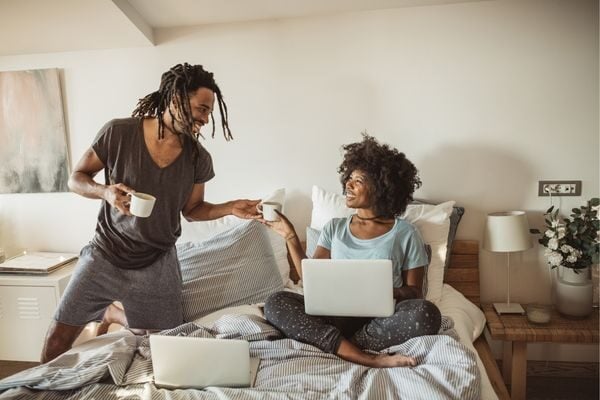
(412, 318)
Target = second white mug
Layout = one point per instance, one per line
(268, 210)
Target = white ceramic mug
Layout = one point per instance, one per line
(141, 204)
(268, 210)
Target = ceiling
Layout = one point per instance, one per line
(44, 26)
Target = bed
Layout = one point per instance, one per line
(118, 365)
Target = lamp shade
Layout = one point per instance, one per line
(506, 232)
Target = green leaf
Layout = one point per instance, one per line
(534, 230)
(572, 227)
(548, 211)
(595, 201)
(576, 211)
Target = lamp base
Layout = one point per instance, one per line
(508, 308)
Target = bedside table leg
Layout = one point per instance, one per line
(519, 371)
(507, 361)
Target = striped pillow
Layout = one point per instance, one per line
(232, 268)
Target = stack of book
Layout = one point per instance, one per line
(38, 262)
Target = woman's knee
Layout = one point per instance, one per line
(425, 314)
(278, 302)
(431, 316)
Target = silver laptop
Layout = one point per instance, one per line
(191, 362)
(348, 288)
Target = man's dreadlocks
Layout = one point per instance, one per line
(175, 85)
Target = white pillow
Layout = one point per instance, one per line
(199, 231)
(432, 221)
(469, 320)
(327, 205)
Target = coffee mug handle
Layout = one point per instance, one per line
(259, 207)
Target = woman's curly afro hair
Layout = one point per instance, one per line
(392, 178)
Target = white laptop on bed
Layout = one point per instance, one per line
(191, 362)
(348, 288)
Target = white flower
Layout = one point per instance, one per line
(553, 244)
(571, 258)
(550, 233)
(565, 248)
(561, 232)
(555, 223)
(555, 258)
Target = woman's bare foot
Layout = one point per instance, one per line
(112, 315)
(394, 360)
(350, 352)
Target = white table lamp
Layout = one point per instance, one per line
(507, 232)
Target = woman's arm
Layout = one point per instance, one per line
(413, 285)
(284, 228)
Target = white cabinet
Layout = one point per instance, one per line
(27, 305)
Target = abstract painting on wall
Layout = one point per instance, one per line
(33, 139)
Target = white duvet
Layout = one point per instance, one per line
(119, 365)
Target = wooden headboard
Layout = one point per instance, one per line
(462, 273)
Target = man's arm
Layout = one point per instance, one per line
(82, 182)
(413, 285)
(196, 209)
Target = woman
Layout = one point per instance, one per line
(378, 182)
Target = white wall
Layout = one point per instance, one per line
(486, 98)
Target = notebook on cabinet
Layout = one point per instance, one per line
(36, 262)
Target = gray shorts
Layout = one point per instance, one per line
(151, 295)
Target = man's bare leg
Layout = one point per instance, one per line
(349, 352)
(60, 338)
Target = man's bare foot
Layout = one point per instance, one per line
(102, 328)
(112, 315)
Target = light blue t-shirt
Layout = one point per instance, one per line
(402, 244)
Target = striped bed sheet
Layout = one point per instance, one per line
(119, 366)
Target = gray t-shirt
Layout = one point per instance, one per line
(402, 244)
(133, 242)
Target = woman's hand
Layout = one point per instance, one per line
(282, 226)
(245, 209)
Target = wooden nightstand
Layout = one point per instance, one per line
(516, 332)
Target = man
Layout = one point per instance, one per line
(132, 259)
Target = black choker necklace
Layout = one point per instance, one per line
(367, 219)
